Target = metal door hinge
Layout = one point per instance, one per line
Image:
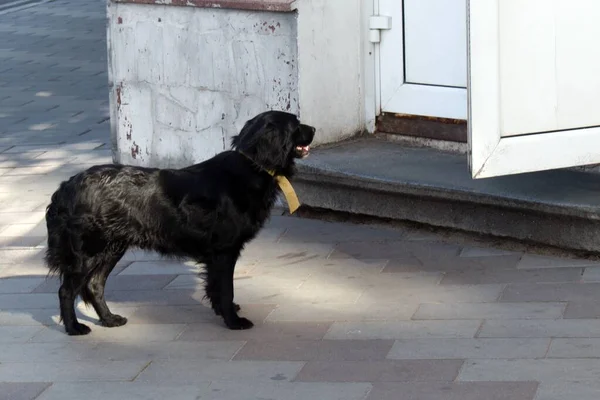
(377, 23)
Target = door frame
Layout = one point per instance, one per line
(490, 154)
(408, 98)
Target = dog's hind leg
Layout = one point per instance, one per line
(72, 284)
(93, 291)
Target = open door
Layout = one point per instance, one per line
(423, 58)
(533, 85)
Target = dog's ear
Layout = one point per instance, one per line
(236, 140)
(273, 145)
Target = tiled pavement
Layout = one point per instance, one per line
(342, 311)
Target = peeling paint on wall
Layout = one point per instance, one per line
(189, 78)
(135, 150)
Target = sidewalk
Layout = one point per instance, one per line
(342, 312)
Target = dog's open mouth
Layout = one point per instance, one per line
(302, 151)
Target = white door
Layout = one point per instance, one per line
(534, 85)
(423, 58)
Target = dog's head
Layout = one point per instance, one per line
(273, 140)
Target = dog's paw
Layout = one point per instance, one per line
(78, 329)
(240, 323)
(113, 321)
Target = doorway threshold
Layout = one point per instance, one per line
(379, 178)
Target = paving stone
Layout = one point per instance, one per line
(18, 205)
(468, 348)
(490, 311)
(140, 255)
(193, 314)
(286, 391)
(577, 370)
(486, 276)
(328, 269)
(394, 250)
(50, 316)
(329, 232)
(433, 294)
(560, 328)
(125, 390)
(270, 331)
(450, 263)
(259, 294)
(38, 170)
(209, 391)
(552, 292)
(283, 254)
(343, 312)
(70, 372)
(149, 351)
(17, 334)
(171, 314)
(160, 268)
(115, 283)
(19, 285)
(485, 252)
(371, 280)
(27, 317)
(455, 391)
(35, 269)
(534, 261)
(403, 330)
(591, 274)
(272, 280)
(126, 333)
(184, 371)
(136, 298)
(560, 390)
(422, 235)
(268, 235)
(21, 256)
(582, 310)
(315, 350)
(35, 229)
(574, 348)
(45, 352)
(21, 390)
(37, 148)
(21, 241)
(23, 301)
(380, 371)
(280, 221)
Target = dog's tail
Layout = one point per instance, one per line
(60, 254)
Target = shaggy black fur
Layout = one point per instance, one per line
(206, 212)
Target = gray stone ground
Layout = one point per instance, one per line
(343, 312)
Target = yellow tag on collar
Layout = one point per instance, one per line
(288, 191)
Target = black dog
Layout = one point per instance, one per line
(206, 212)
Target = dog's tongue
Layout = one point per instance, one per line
(305, 148)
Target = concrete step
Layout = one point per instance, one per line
(374, 177)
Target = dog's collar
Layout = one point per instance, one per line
(284, 184)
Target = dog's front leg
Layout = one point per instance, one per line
(224, 265)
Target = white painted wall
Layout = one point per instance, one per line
(330, 67)
(186, 79)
